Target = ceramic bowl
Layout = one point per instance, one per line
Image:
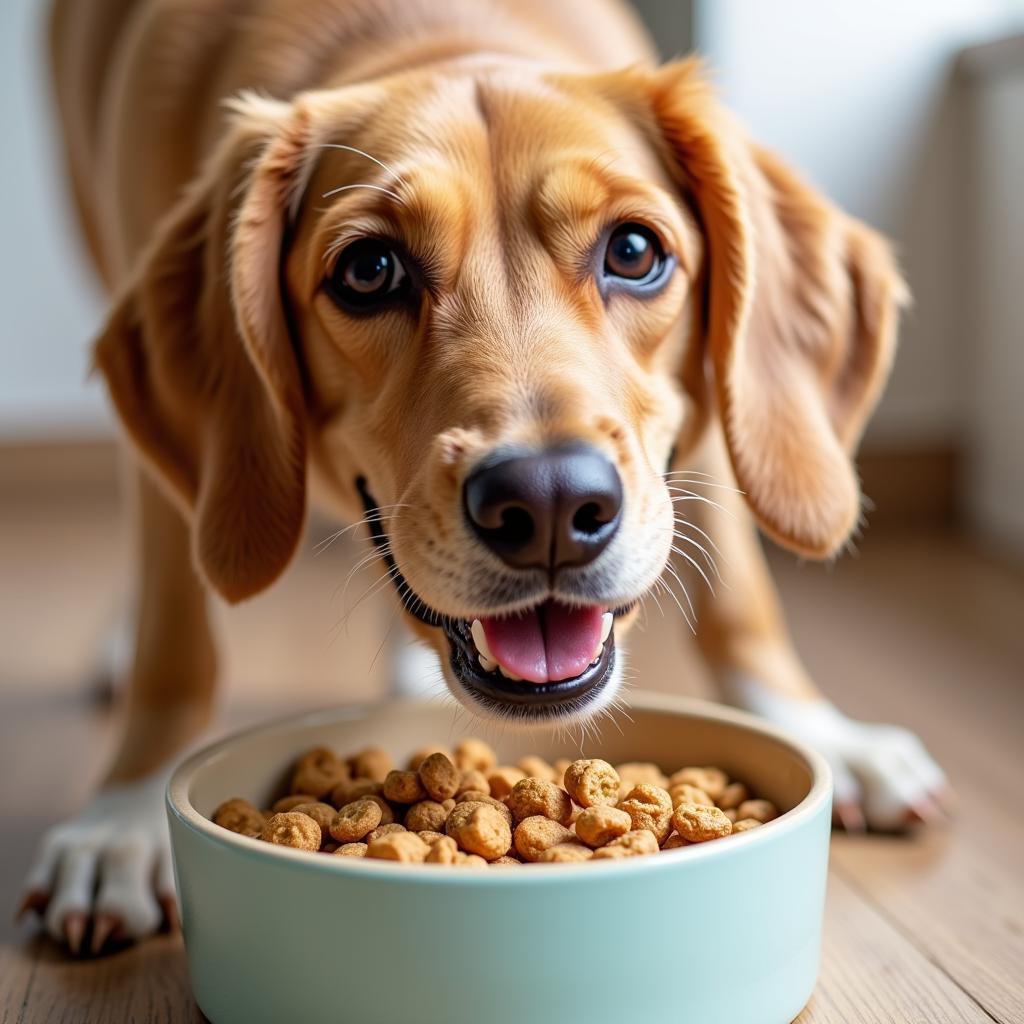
(726, 932)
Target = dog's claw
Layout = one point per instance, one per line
(851, 817)
(34, 900)
(74, 927)
(104, 927)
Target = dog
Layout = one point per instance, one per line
(483, 276)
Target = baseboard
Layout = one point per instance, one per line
(913, 487)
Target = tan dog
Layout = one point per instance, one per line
(457, 269)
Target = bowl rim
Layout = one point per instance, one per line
(180, 807)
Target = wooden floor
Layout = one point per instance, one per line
(920, 630)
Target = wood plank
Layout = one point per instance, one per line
(871, 974)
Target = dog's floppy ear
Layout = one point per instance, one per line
(199, 362)
(801, 318)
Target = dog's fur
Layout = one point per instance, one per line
(495, 139)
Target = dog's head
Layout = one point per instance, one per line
(488, 307)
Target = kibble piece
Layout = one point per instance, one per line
(745, 825)
(685, 793)
(429, 836)
(649, 807)
(480, 829)
(759, 810)
(403, 787)
(638, 772)
(506, 861)
(675, 841)
(472, 781)
(351, 850)
(424, 752)
(565, 853)
(317, 772)
(238, 815)
(530, 797)
(356, 820)
(592, 782)
(535, 835)
(322, 814)
(534, 767)
(299, 831)
(637, 843)
(427, 815)
(443, 851)
(697, 823)
(732, 796)
(371, 763)
(406, 847)
(732, 815)
(712, 780)
(473, 754)
(440, 777)
(349, 791)
(469, 860)
(289, 803)
(384, 830)
(502, 779)
(482, 798)
(599, 825)
(387, 814)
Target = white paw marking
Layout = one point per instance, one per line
(112, 858)
(883, 769)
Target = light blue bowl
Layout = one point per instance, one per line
(728, 932)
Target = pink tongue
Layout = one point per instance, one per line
(546, 643)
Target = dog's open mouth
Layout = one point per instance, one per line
(545, 660)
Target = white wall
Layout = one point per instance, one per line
(49, 305)
(857, 96)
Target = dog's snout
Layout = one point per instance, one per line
(550, 509)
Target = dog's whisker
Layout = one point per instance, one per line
(712, 565)
(362, 152)
(693, 561)
(681, 519)
(671, 593)
(362, 184)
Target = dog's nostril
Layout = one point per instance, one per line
(559, 507)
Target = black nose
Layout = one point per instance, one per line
(545, 510)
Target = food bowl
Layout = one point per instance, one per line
(726, 932)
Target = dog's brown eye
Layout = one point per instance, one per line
(633, 254)
(367, 274)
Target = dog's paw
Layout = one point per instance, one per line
(104, 877)
(884, 777)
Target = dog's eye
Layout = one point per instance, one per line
(368, 273)
(633, 254)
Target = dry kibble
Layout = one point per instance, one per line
(351, 790)
(745, 825)
(429, 836)
(427, 815)
(508, 860)
(712, 780)
(384, 830)
(732, 796)
(674, 842)
(599, 825)
(469, 860)
(403, 787)
(403, 846)
(299, 831)
(649, 807)
(637, 772)
(440, 778)
(535, 835)
(592, 782)
(637, 843)
(565, 853)
(351, 850)
(731, 814)
(321, 813)
(443, 851)
(424, 752)
(473, 754)
(356, 820)
(371, 763)
(483, 798)
(697, 823)
(289, 803)
(502, 779)
(534, 767)
(530, 797)
(472, 781)
(479, 828)
(685, 793)
(317, 772)
(238, 815)
(759, 810)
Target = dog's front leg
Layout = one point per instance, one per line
(109, 865)
(884, 777)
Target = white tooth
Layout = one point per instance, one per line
(487, 664)
(607, 621)
(480, 639)
(597, 655)
(509, 675)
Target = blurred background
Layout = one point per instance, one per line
(909, 115)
